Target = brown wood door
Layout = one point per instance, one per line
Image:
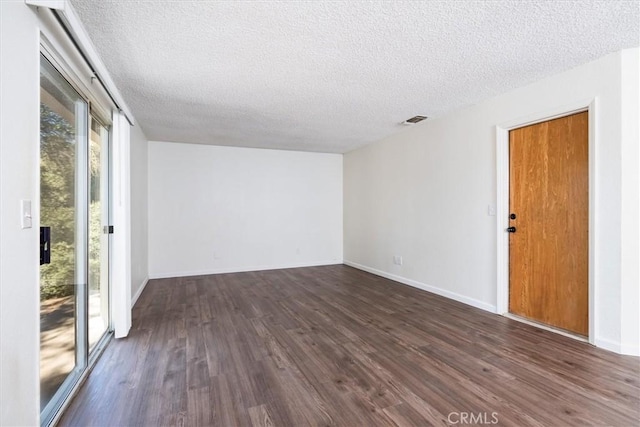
(549, 195)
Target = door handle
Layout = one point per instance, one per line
(511, 229)
(45, 245)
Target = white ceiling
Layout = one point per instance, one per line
(334, 75)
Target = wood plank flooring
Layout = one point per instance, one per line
(333, 345)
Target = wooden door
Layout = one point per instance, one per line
(549, 196)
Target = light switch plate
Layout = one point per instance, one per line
(491, 210)
(25, 213)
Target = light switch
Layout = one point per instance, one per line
(491, 210)
(25, 212)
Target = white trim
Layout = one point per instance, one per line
(206, 272)
(98, 351)
(49, 4)
(546, 115)
(630, 350)
(593, 211)
(60, 50)
(73, 25)
(434, 290)
(502, 221)
(608, 344)
(502, 202)
(617, 347)
(135, 297)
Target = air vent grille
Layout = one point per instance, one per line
(416, 119)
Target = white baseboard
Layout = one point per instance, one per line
(438, 291)
(617, 347)
(630, 350)
(607, 344)
(167, 275)
(135, 297)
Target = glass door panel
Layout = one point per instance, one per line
(63, 212)
(98, 232)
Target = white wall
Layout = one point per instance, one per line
(424, 194)
(219, 209)
(139, 212)
(20, 30)
(19, 179)
(630, 293)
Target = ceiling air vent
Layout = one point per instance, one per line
(415, 119)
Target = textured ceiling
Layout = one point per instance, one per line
(334, 75)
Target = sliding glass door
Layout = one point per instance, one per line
(63, 130)
(74, 251)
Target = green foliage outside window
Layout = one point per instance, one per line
(58, 210)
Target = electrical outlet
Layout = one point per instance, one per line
(397, 260)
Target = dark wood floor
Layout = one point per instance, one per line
(337, 346)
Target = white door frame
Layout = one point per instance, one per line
(502, 195)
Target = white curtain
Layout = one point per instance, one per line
(121, 243)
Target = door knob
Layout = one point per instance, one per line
(511, 229)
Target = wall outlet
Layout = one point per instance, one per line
(397, 260)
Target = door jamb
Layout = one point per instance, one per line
(502, 199)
